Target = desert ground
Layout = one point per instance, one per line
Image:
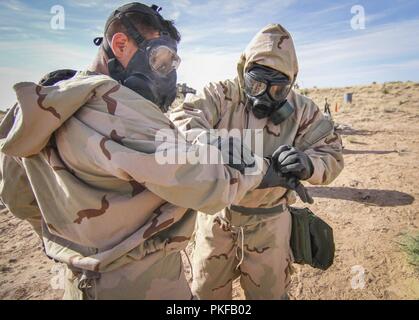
(372, 207)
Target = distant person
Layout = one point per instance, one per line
(252, 240)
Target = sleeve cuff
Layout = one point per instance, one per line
(318, 172)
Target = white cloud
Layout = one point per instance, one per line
(181, 3)
(223, 8)
(201, 67)
(14, 5)
(362, 58)
(375, 54)
(210, 49)
(100, 4)
(8, 77)
(34, 60)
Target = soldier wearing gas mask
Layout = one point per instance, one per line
(251, 240)
(151, 70)
(78, 161)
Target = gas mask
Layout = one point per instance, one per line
(267, 91)
(152, 70)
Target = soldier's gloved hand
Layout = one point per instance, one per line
(274, 178)
(235, 154)
(303, 193)
(290, 160)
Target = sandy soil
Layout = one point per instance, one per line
(371, 206)
(373, 203)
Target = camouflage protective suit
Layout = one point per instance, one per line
(82, 155)
(255, 247)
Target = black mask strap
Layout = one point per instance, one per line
(116, 71)
(154, 13)
(105, 45)
(132, 31)
(115, 68)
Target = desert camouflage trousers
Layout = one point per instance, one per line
(257, 251)
(151, 278)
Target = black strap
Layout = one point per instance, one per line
(108, 50)
(156, 8)
(105, 45)
(98, 41)
(132, 31)
(253, 211)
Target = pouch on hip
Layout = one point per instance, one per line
(312, 239)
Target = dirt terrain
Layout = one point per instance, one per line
(374, 202)
(371, 206)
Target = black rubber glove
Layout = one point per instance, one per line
(289, 160)
(273, 179)
(235, 154)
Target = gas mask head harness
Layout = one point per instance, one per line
(152, 70)
(267, 90)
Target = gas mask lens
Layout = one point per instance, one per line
(254, 87)
(279, 92)
(164, 60)
(277, 89)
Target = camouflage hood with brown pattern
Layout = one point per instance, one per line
(272, 47)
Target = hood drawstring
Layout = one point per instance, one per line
(240, 249)
(189, 263)
(239, 230)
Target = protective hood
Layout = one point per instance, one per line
(27, 127)
(272, 47)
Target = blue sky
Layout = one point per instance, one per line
(215, 32)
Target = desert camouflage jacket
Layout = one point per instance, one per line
(82, 154)
(222, 105)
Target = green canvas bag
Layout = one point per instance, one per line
(312, 239)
